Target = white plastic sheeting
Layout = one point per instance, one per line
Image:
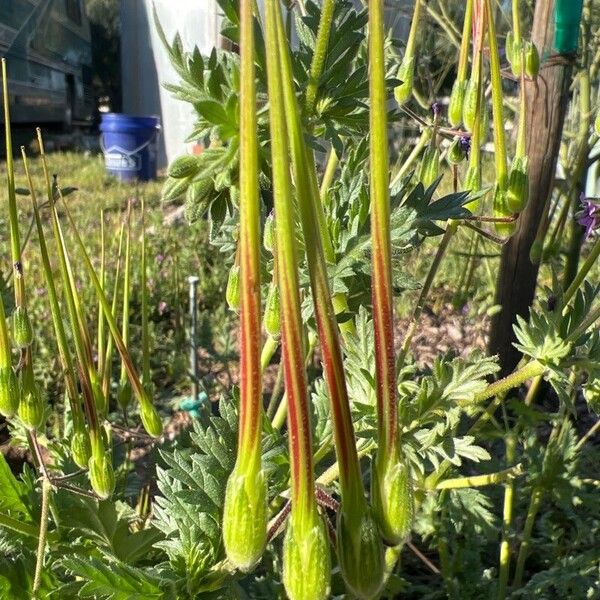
(146, 66)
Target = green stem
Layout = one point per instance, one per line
(412, 157)
(319, 55)
(534, 506)
(507, 518)
(101, 340)
(516, 20)
(463, 59)
(504, 476)
(329, 174)
(146, 376)
(37, 579)
(126, 292)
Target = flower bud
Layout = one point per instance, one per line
(306, 559)
(430, 166)
(232, 293)
(393, 499)
(269, 233)
(532, 60)
(272, 311)
(31, 406)
(124, 393)
(406, 75)
(457, 100)
(9, 392)
(245, 517)
(22, 332)
(151, 419)
(101, 474)
(81, 448)
(360, 552)
(517, 193)
(458, 151)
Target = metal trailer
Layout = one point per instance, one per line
(48, 50)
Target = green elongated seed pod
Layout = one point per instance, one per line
(473, 184)
(470, 105)
(272, 311)
(101, 473)
(22, 331)
(31, 406)
(484, 127)
(501, 210)
(406, 74)
(456, 153)
(517, 193)
(81, 448)
(393, 500)
(245, 517)
(151, 419)
(124, 394)
(184, 166)
(306, 560)
(269, 233)
(536, 251)
(232, 293)
(99, 398)
(430, 166)
(9, 392)
(532, 60)
(516, 64)
(457, 100)
(509, 47)
(597, 124)
(360, 553)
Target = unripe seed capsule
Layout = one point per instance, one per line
(470, 105)
(501, 209)
(31, 406)
(360, 553)
(393, 500)
(22, 331)
(245, 518)
(81, 449)
(151, 419)
(232, 293)
(124, 394)
(272, 311)
(517, 194)
(456, 153)
(473, 184)
(457, 100)
(430, 166)
(516, 63)
(406, 75)
(9, 392)
(184, 166)
(306, 560)
(509, 47)
(532, 60)
(101, 473)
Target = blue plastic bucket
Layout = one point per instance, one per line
(129, 145)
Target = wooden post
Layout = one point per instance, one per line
(546, 107)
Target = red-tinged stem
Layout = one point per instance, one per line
(308, 199)
(302, 470)
(383, 311)
(249, 248)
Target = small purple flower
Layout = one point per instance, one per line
(162, 307)
(160, 258)
(465, 144)
(589, 216)
(436, 109)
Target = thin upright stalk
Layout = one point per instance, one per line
(41, 549)
(507, 519)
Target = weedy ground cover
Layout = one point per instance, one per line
(358, 472)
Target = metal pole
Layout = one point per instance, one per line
(193, 282)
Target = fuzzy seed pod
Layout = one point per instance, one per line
(306, 560)
(532, 60)
(360, 553)
(269, 233)
(197, 199)
(81, 449)
(9, 392)
(245, 517)
(393, 500)
(124, 394)
(501, 210)
(232, 293)
(184, 166)
(457, 100)
(430, 166)
(151, 419)
(272, 311)
(470, 105)
(22, 331)
(406, 74)
(31, 407)
(517, 193)
(101, 473)
(173, 188)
